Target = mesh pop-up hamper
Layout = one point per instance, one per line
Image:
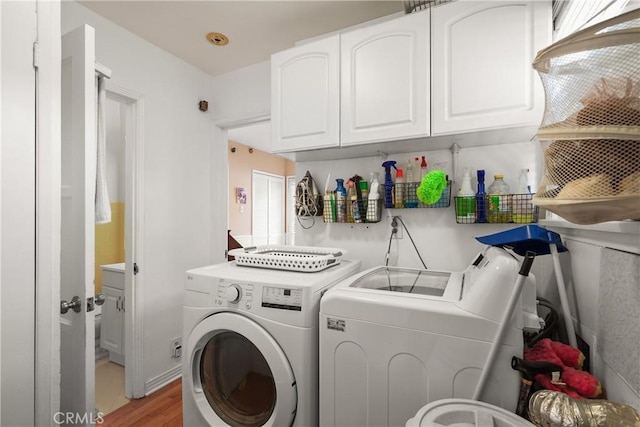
(591, 127)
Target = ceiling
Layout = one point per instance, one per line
(255, 29)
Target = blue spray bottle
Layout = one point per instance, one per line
(388, 183)
(481, 200)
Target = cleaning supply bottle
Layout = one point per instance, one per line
(341, 201)
(465, 201)
(499, 208)
(400, 188)
(481, 199)
(388, 183)
(410, 197)
(374, 211)
(522, 207)
(351, 199)
(423, 168)
(363, 199)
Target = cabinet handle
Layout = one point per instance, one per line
(118, 304)
(122, 305)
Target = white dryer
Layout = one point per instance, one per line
(393, 339)
(251, 344)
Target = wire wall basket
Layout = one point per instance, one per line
(416, 5)
(499, 209)
(411, 199)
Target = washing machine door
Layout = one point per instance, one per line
(240, 375)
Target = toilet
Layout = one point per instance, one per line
(465, 413)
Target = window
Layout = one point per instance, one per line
(570, 16)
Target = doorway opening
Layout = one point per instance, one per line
(118, 253)
(258, 204)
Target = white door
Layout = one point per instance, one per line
(268, 204)
(77, 358)
(17, 207)
(385, 81)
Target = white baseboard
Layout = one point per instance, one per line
(156, 383)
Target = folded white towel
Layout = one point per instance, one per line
(103, 206)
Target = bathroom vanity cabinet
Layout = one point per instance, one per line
(112, 329)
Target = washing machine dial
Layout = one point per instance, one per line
(233, 293)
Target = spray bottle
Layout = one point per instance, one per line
(388, 183)
(410, 197)
(373, 213)
(423, 168)
(481, 199)
(522, 207)
(341, 201)
(400, 188)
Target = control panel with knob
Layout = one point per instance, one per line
(233, 293)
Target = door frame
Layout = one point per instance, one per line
(220, 161)
(255, 172)
(134, 238)
(48, 219)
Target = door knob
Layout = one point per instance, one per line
(99, 300)
(74, 304)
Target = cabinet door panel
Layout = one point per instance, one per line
(481, 64)
(385, 77)
(111, 329)
(305, 96)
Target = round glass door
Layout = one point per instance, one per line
(237, 381)
(240, 375)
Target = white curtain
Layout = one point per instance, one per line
(103, 205)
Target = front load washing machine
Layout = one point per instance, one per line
(251, 344)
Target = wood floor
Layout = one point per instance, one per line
(161, 409)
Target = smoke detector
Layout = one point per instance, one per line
(217, 39)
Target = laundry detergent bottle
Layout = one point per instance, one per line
(465, 201)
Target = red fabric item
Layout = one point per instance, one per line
(543, 352)
(578, 383)
(545, 382)
(570, 356)
(583, 382)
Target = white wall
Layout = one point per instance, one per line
(177, 176)
(443, 244)
(115, 151)
(446, 245)
(602, 274)
(244, 93)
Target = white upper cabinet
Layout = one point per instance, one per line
(305, 96)
(458, 68)
(482, 76)
(385, 81)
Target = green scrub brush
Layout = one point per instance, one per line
(431, 187)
